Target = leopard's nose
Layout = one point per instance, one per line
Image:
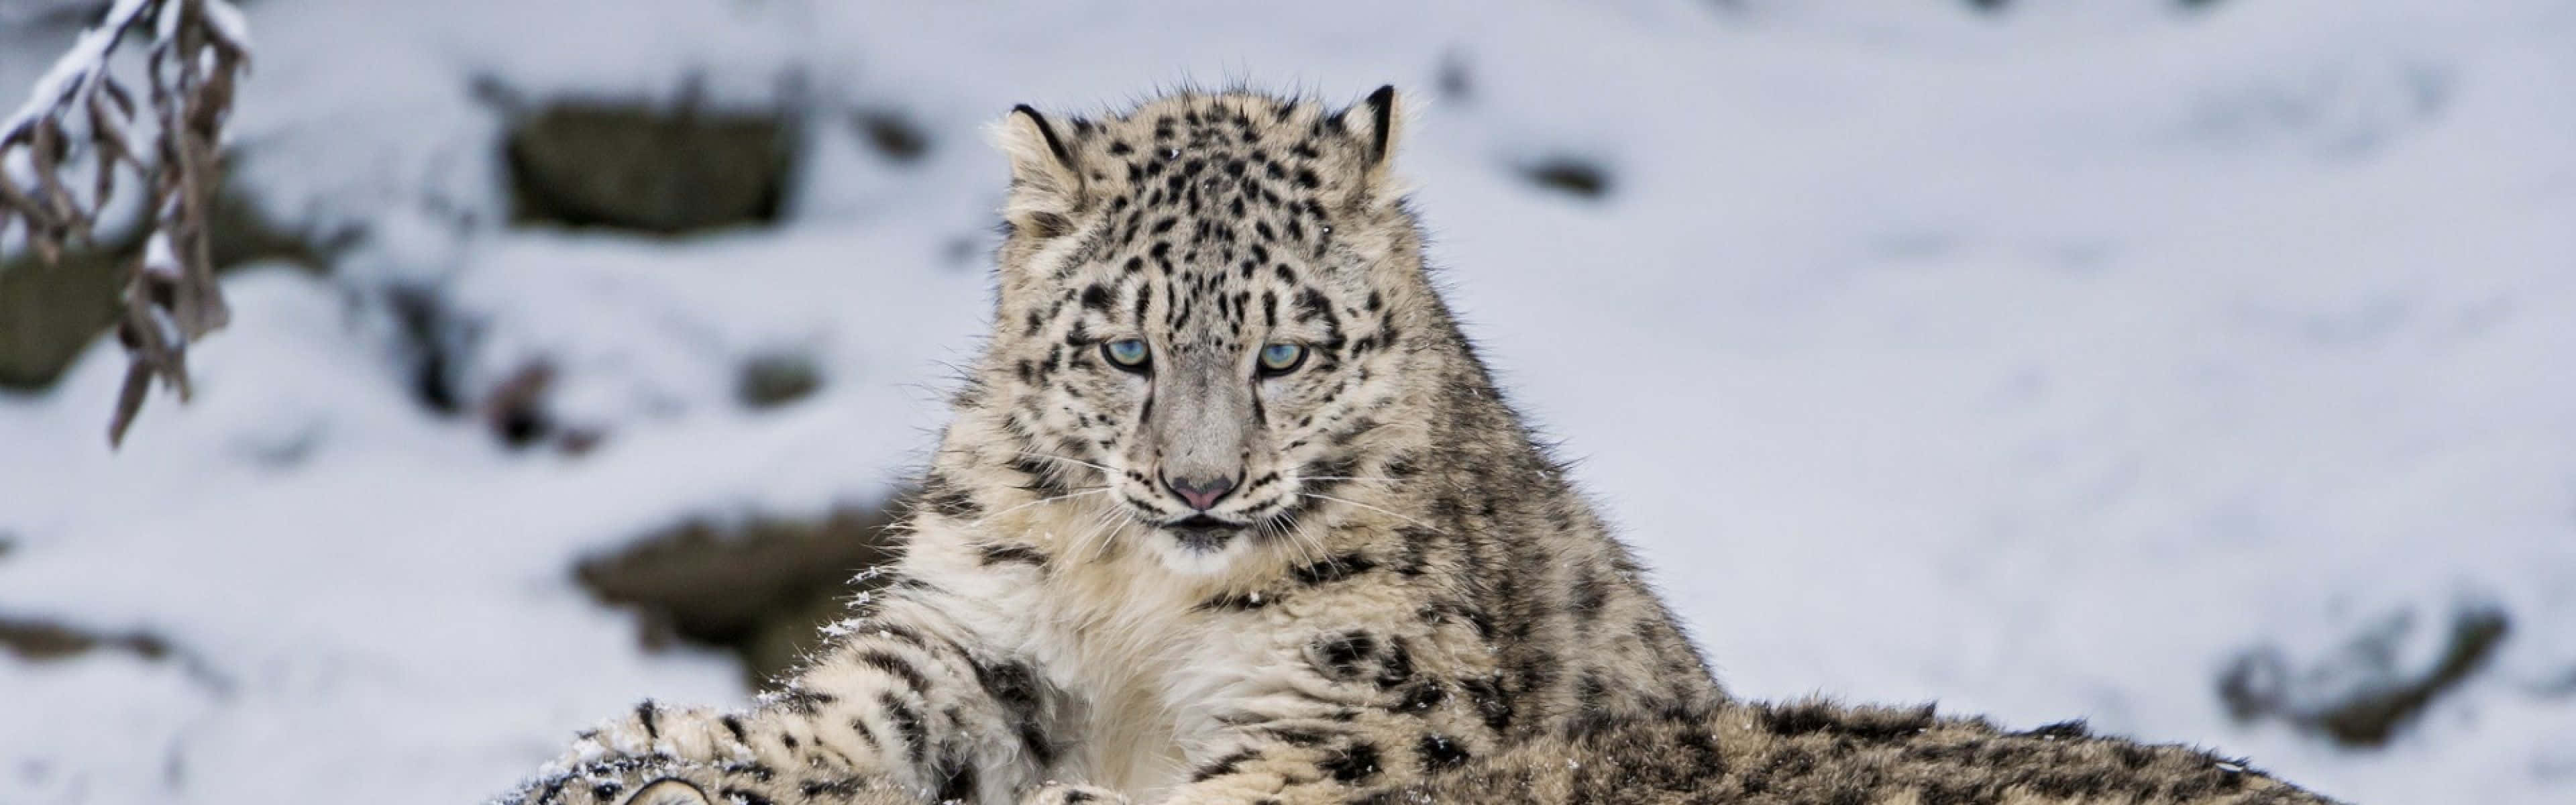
(1200, 493)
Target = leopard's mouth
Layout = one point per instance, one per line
(1202, 532)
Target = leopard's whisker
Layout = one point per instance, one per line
(1085, 544)
(1067, 496)
(1068, 460)
(1349, 502)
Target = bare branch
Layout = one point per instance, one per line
(79, 110)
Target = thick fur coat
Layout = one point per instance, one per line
(1230, 512)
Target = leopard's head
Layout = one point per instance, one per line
(1207, 314)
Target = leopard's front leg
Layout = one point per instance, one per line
(1357, 712)
(1056, 793)
(903, 707)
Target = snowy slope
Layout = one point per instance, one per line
(2037, 363)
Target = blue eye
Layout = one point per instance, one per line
(1125, 353)
(1280, 359)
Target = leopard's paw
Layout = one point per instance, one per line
(669, 791)
(1054, 793)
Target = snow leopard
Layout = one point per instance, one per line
(1228, 511)
(1817, 752)
(1804, 753)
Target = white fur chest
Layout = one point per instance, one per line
(1120, 631)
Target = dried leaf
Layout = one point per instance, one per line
(106, 179)
(117, 94)
(198, 49)
(15, 200)
(129, 401)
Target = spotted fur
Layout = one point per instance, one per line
(1819, 752)
(1395, 583)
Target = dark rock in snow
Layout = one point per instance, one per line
(1452, 79)
(769, 381)
(37, 640)
(649, 170)
(893, 136)
(42, 640)
(1575, 177)
(2366, 690)
(241, 233)
(516, 409)
(49, 313)
(761, 588)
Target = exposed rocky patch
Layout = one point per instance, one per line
(892, 135)
(39, 640)
(1452, 78)
(50, 312)
(516, 412)
(513, 409)
(1572, 176)
(776, 379)
(761, 589)
(429, 348)
(243, 234)
(2370, 687)
(660, 171)
(43, 640)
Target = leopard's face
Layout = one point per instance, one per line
(1205, 341)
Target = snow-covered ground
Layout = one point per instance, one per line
(2039, 363)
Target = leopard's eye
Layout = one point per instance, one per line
(1280, 359)
(1125, 353)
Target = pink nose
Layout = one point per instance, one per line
(1201, 493)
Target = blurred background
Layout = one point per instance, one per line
(2198, 367)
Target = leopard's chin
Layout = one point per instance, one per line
(1201, 533)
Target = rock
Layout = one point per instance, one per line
(1452, 78)
(762, 589)
(516, 411)
(2371, 686)
(893, 136)
(242, 234)
(769, 381)
(425, 322)
(1575, 177)
(40, 641)
(649, 170)
(46, 641)
(50, 313)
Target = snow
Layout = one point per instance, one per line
(229, 23)
(159, 259)
(2038, 363)
(83, 62)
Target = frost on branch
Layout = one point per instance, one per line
(80, 112)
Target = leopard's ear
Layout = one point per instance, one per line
(1046, 180)
(1374, 125)
(1377, 128)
